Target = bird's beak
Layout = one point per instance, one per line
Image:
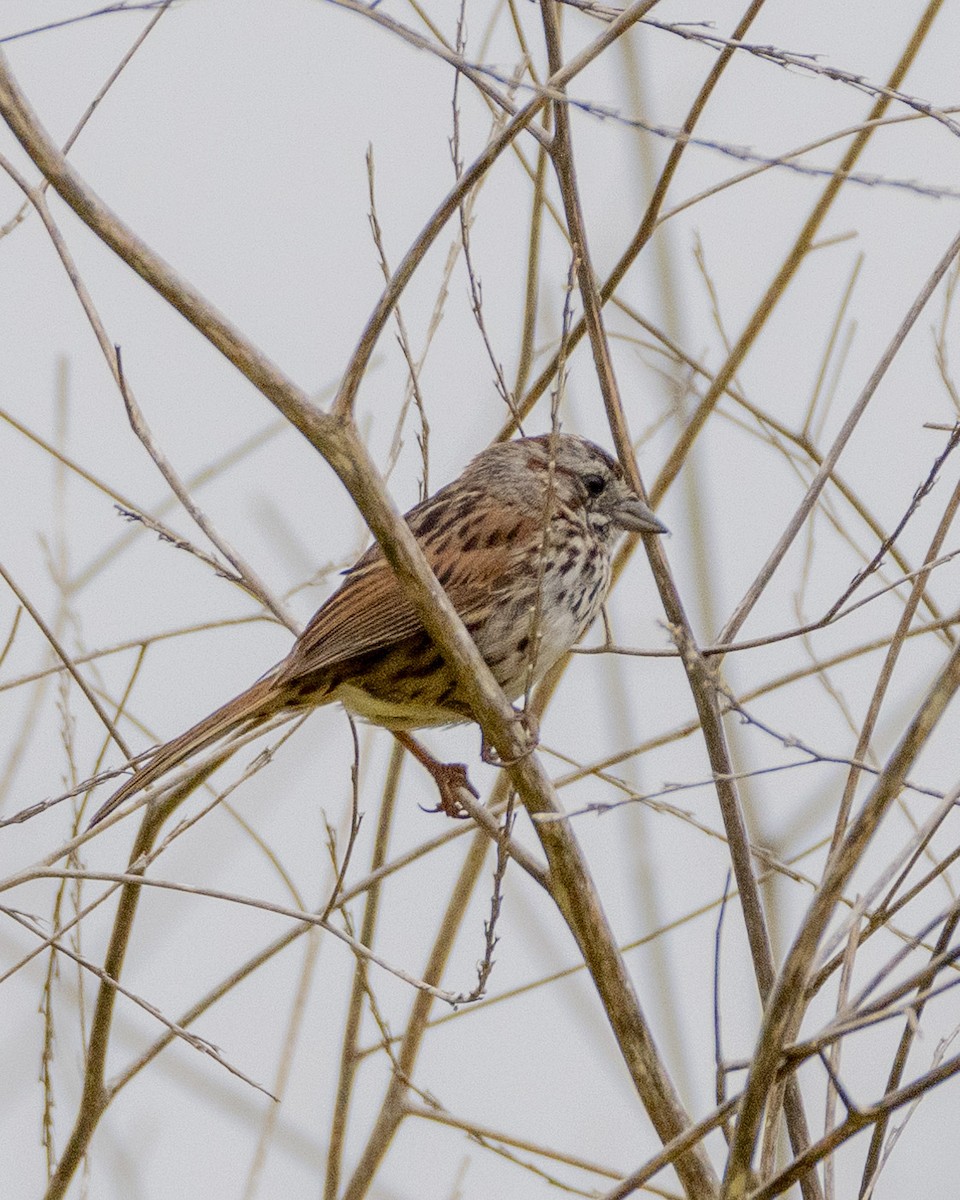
(631, 513)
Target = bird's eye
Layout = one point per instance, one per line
(594, 484)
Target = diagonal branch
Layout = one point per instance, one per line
(830, 459)
(700, 677)
(656, 1089)
(787, 996)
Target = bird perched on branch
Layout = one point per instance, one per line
(521, 543)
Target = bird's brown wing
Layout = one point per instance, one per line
(472, 546)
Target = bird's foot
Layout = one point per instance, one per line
(531, 731)
(451, 779)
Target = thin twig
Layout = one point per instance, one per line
(245, 574)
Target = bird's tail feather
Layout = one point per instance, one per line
(252, 707)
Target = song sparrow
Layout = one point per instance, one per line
(521, 543)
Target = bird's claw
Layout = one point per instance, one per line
(531, 729)
(452, 778)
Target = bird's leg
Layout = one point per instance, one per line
(531, 729)
(450, 778)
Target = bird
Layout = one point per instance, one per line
(521, 542)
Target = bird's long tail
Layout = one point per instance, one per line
(251, 708)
